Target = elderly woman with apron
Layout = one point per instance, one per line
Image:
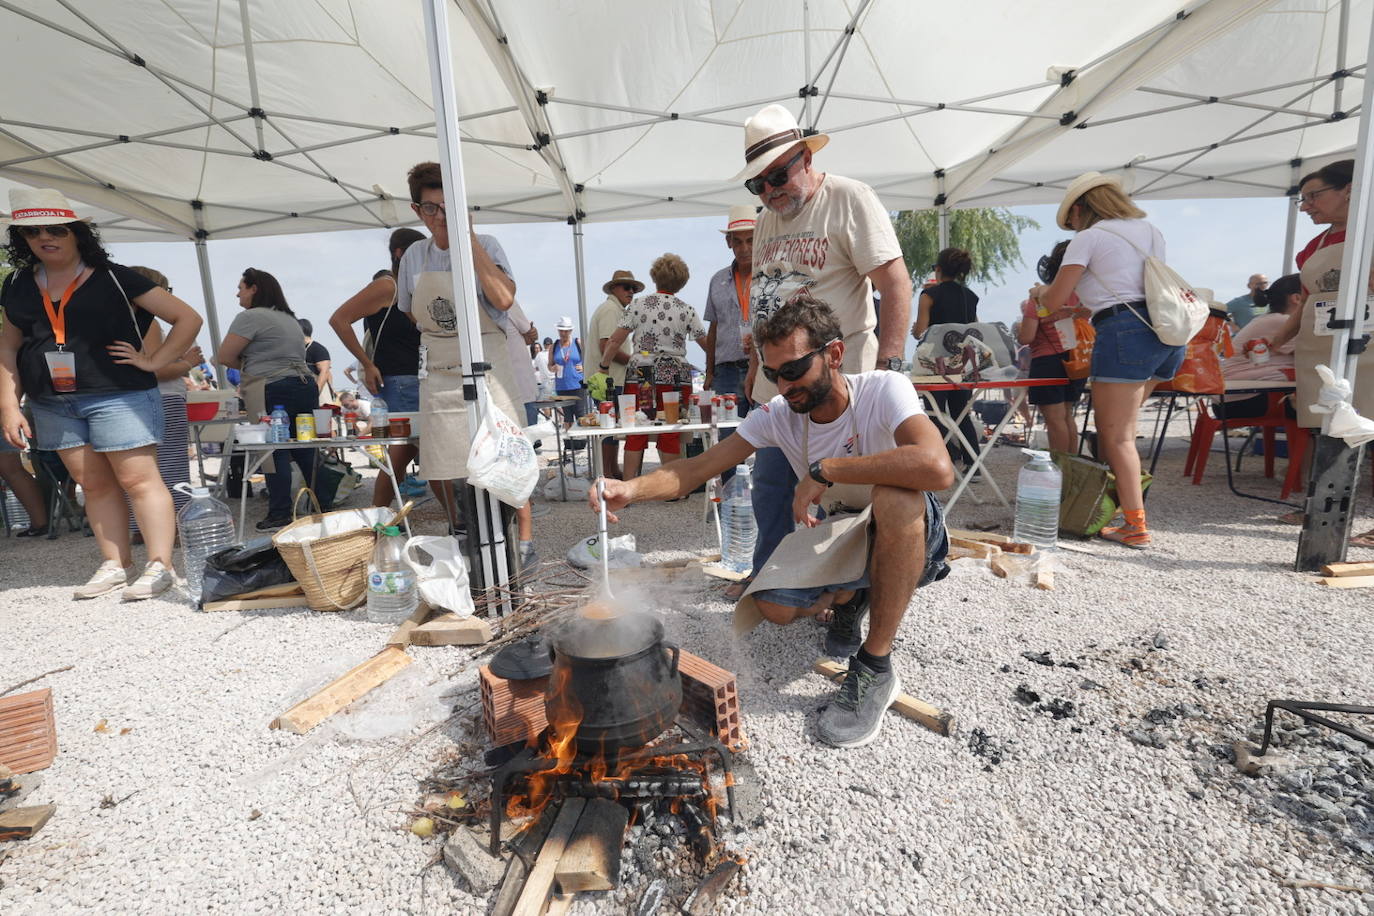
(1325, 198)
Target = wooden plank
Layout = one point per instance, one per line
(591, 861)
(310, 712)
(942, 723)
(560, 904)
(1348, 569)
(1348, 581)
(449, 629)
(653, 574)
(540, 881)
(1044, 579)
(1009, 566)
(986, 536)
(254, 604)
(976, 548)
(401, 638)
(273, 591)
(21, 823)
(716, 571)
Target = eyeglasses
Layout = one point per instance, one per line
(429, 208)
(794, 369)
(33, 232)
(777, 178)
(1312, 195)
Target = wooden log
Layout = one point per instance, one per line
(1044, 579)
(254, 604)
(1348, 569)
(540, 881)
(976, 548)
(1348, 581)
(21, 823)
(702, 900)
(942, 723)
(310, 712)
(1009, 566)
(591, 861)
(449, 629)
(401, 638)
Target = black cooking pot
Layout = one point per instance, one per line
(619, 677)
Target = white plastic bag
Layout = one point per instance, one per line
(501, 460)
(1334, 398)
(541, 431)
(444, 580)
(586, 553)
(577, 487)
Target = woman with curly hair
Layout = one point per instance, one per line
(73, 342)
(950, 301)
(662, 323)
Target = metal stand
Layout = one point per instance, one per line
(1330, 504)
(1305, 711)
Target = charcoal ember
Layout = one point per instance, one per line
(1040, 658)
(1160, 716)
(1059, 709)
(1024, 694)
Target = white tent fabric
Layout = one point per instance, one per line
(633, 108)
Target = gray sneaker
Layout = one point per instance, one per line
(107, 578)
(855, 716)
(846, 634)
(529, 559)
(155, 580)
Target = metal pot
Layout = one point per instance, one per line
(619, 677)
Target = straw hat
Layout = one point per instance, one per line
(768, 133)
(741, 219)
(564, 323)
(620, 276)
(40, 207)
(1080, 186)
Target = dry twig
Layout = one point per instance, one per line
(14, 687)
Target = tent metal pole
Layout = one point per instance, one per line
(252, 69)
(207, 292)
(1342, 34)
(486, 528)
(943, 215)
(1331, 488)
(1290, 232)
(806, 64)
(580, 264)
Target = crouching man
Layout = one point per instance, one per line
(867, 456)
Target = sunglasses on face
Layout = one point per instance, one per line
(33, 232)
(794, 369)
(777, 178)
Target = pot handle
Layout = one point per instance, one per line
(677, 655)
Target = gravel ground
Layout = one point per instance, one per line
(1100, 782)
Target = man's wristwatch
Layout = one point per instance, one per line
(894, 363)
(817, 476)
(603, 367)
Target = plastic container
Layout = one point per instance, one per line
(378, 418)
(15, 512)
(737, 531)
(206, 526)
(281, 425)
(1037, 501)
(391, 591)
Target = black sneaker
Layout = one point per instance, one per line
(846, 626)
(855, 716)
(274, 521)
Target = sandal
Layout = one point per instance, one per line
(735, 590)
(1363, 540)
(1134, 536)
(1296, 517)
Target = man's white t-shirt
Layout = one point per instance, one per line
(1114, 269)
(879, 402)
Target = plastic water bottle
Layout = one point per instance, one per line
(737, 522)
(281, 425)
(15, 512)
(379, 419)
(206, 526)
(1037, 501)
(391, 591)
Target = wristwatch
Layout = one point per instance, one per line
(817, 476)
(894, 363)
(603, 367)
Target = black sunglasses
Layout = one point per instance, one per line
(777, 178)
(794, 369)
(33, 232)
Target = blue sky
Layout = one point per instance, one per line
(1212, 243)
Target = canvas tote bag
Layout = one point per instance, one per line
(1176, 312)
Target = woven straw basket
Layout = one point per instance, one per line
(332, 569)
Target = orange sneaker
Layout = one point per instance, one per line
(1135, 536)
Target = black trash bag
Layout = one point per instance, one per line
(243, 568)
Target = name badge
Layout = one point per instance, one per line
(62, 370)
(1322, 312)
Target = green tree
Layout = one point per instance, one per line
(989, 235)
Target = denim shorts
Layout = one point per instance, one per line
(937, 549)
(113, 422)
(1127, 350)
(401, 393)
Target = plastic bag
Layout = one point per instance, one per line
(1200, 372)
(501, 460)
(243, 568)
(444, 580)
(1079, 363)
(586, 553)
(578, 488)
(1334, 398)
(541, 431)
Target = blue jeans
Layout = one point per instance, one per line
(774, 485)
(1128, 350)
(295, 397)
(729, 379)
(401, 393)
(115, 421)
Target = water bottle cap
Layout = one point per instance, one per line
(1037, 455)
(199, 492)
(279, 407)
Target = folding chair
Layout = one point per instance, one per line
(53, 478)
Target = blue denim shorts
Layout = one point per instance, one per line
(937, 549)
(113, 422)
(401, 393)
(1127, 350)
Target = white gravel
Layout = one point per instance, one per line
(1075, 817)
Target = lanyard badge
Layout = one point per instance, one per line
(61, 364)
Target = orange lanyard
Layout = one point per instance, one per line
(57, 316)
(742, 294)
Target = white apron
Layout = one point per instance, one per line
(445, 436)
(1321, 275)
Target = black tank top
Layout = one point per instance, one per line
(953, 303)
(396, 341)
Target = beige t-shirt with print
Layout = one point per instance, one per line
(605, 320)
(840, 235)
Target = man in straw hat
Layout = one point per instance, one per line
(609, 382)
(832, 237)
(727, 310)
(865, 451)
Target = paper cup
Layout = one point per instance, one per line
(627, 408)
(671, 406)
(324, 424)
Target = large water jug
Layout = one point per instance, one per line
(737, 530)
(391, 591)
(206, 526)
(1037, 501)
(280, 425)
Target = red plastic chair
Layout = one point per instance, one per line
(1276, 418)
